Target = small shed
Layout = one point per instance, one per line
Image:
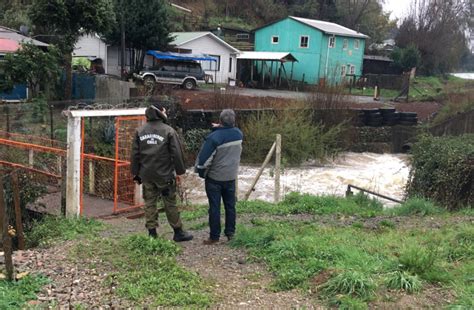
(376, 64)
(265, 69)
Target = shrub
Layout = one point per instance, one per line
(194, 138)
(443, 170)
(353, 283)
(302, 140)
(402, 280)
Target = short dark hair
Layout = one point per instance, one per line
(227, 117)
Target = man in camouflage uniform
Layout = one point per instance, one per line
(157, 158)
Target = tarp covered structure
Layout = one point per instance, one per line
(180, 57)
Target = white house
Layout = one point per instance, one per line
(91, 46)
(208, 43)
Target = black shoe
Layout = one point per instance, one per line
(180, 235)
(230, 237)
(152, 233)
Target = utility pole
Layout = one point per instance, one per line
(122, 44)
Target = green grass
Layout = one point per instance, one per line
(384, 93)
(363, 263)
(51, 229)
(417, 206)
(295, 203)
(146, 271)
(429, 88)
(14, 295)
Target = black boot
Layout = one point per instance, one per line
(180, 235)
(152, 233)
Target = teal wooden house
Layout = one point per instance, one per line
(326, 52)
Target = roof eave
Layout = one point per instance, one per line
(212, 35)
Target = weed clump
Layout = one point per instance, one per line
(14, 295)
(352, 283)
(401, 280)
(417, 260)
(52, 228)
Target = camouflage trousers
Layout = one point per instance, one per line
(155, 192)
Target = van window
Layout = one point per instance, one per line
(194, 68)
(168, 67)
(183, 67)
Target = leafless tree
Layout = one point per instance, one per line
(438, 29)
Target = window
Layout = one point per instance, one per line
(345, 45)
(212, 65)
(230, 64)
(275, 39)
(352, 69)
(332, 42)
(304, 41)
(356, 44)
(343, 70)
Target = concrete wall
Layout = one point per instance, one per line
(111, 89)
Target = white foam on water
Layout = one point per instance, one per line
(386, 174)
(467, 76)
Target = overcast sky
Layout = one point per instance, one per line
(399, 8)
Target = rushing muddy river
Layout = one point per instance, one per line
(383, 173)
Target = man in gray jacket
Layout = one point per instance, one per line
(218, 163)
(157, 158)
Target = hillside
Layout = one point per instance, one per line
(362, 15)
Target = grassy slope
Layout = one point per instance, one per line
(353, 265)
(344, 252)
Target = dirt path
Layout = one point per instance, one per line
(237, 282)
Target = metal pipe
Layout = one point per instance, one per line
(372, 193)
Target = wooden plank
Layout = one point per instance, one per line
(257, 177)
(7, 240)
(16, 203)
(277, 168)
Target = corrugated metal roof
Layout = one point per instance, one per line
(6, 33)
(180, 38)
(275, 56)
(379, 58)
(330, 28)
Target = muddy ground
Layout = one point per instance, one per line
(200, 99)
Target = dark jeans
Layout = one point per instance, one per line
(215, 190)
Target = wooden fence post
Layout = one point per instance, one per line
(277, 168)
(63, 185)
(7, 240)
(16, 202)
(265, 163)
(31, 158)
